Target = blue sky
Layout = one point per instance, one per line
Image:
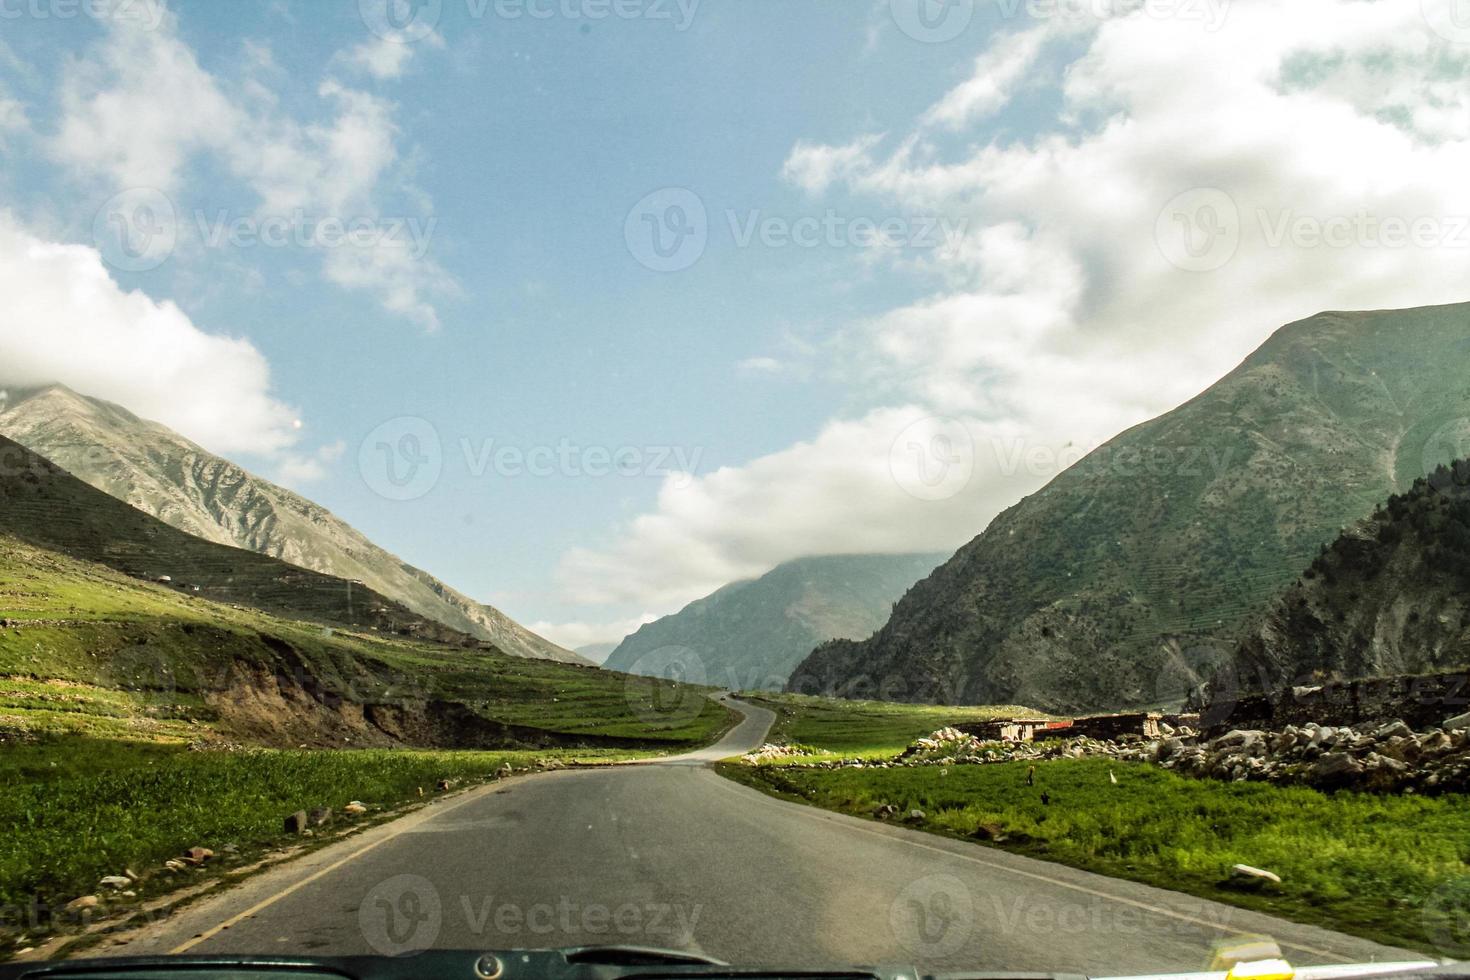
(504, 306)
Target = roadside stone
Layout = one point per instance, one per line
(115, 881)
(196, 856)
(355, 809)
(296, 823)
(85, 902)
(1245, 871)
(319, 817)
(1336, 768)
(1456, 723)
(916, 816)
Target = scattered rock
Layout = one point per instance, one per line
(1336, 768)
(319, 817)
(355, 808)
(196, 856)
(297, 822)
(916, 816)
(85, 902)
(992, 832)
(1245, 871)
(115, 881)
(174, 864)
(1457, 723)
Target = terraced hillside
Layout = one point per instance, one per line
(1128, 578)
(163, 474)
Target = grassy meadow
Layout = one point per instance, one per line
(1390, 868)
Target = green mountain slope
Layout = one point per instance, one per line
(1390, 596)
(43, 505)
(1126, 579)
(161, 473)
(750, 634)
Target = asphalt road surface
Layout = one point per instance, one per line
(671, 855)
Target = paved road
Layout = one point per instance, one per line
(672, 855)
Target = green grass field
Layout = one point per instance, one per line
(77, 808)
(834, 728)
(1391, 868)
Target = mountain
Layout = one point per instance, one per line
(597, 653)
(1127, 578)
(1390, 596)
(751, 634)
(161, 473)
(43, 505)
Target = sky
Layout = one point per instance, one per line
(590, 307)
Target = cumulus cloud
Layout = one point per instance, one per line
(1198, 184)
(138, 109)
(64, 319)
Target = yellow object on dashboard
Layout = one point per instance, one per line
(1272, 969)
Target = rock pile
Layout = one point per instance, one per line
(1385, 757)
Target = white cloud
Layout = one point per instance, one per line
(574, 635)
(63, 319)
(138, 109)
(814, 167)
(1071, 308)
(386, 57)
(298, 469)
(998, 70)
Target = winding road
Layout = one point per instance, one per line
(669, 854)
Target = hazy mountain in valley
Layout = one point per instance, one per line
(751, 634)
(159, 472)
(1128, 578)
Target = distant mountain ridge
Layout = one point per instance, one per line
(161, 473)
(1128, 578)
(750, 634)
